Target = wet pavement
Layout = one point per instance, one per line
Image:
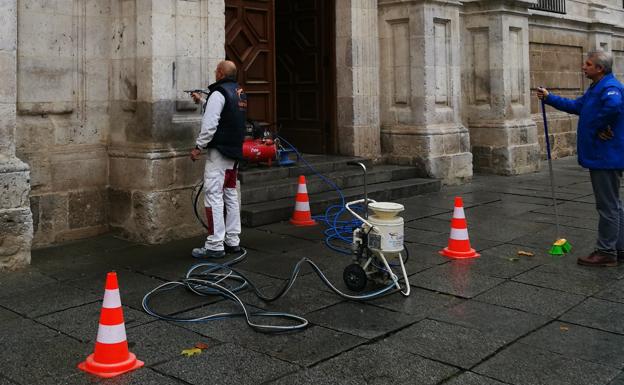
(502, 318)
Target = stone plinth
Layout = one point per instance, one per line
(16, 225)
(496, 83)
(421, 88)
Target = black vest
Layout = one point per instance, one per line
(228, 139)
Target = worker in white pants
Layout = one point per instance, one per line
(222, 133)
(221, 202)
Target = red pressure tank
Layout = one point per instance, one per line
(259, 150)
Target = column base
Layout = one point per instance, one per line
(505, 148)
(16, 224)
(438, 151)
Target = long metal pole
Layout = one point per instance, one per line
(550, 168)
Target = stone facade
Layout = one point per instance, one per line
(95, 128)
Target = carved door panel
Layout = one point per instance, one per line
(303, 70)
(250, 42)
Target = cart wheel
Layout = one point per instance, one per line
(354, 277)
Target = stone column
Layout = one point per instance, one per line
(162, 48)
(16, 226)
(496, 82)
(420, 88)
(357, 74)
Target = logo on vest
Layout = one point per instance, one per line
(242, 98)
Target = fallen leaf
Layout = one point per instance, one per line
(191, 352)
(525, 253)
(513, 259)
(201, 345)
(564, 328)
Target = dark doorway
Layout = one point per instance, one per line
(250, 43)
(304, 58)
(284, 50)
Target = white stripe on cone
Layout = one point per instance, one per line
(302, 189)
(458, 213)
(111, 334)
(459, 234)
(111, 299)
(302, 206)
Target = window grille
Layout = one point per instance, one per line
(556, 6)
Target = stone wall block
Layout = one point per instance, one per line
(162, 216)
(78, 170)
(119, 206)
(16, 233)
(15, 188)
(53, 214)
(87, 208)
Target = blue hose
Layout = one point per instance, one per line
(337, 230)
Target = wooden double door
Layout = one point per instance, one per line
(285, 55)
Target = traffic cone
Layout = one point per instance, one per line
(459, 244)
(111, 356)
(302, 215)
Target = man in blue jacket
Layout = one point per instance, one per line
(600, 148)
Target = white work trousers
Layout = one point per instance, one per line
(221, 201)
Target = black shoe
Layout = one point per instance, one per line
(232, 249)
(598, 258)
(202, 252)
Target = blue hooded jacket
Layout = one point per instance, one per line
(599, 108)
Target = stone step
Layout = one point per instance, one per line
(267, 190)
(321, 163)
(257, 214)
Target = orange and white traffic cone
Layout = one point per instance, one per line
(459, 243)
(302, 215)
(111, 356)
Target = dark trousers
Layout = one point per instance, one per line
(606, 185)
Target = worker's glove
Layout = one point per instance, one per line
(195, 153)
(606, 134)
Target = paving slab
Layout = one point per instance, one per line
(470, 378)
(619, 380)
(431, 224)
(580, 342)
(503, 261)
(501, 322)
(372, 364)
(613, 292)
(454, 278)
(571, 281)
(419, 304)
(32, 353)
(310, 233)
(360, 319)
(597, 313)
(22, 280)
(82, 322)
(476, 242)
(422, 257)
(226, 364)
(267, 241)
(448, 343)
(7, 315)
(162, 341)
(532, 299)
(545, 238)
(303, 348)
(132, 286)
(299, 300)
(521, 364)
(46, 299)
